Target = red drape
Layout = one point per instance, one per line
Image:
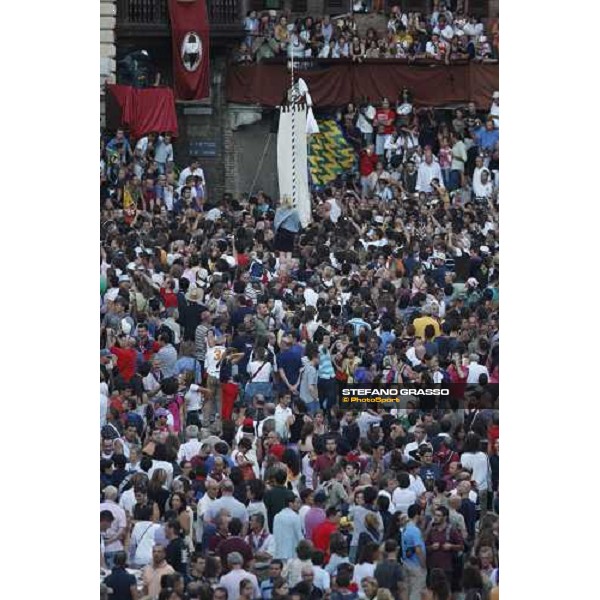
(145, 110)
(343, 82)
(190, 39)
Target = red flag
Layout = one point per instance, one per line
(189, 31)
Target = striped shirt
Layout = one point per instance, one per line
(200, 339)
(326, 370)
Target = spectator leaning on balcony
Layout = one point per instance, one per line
(408, 36)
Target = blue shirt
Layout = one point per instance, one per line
(488, 139)
(188, 363)
(266, 589)
(357, 324)
(387, 337)
(291, 362)
(412, 539)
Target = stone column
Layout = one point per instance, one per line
(108, 66)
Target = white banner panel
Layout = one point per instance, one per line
(292, 164)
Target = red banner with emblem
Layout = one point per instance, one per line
(189, 32)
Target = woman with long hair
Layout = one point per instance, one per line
(458, 437)
(306, 435)
(291, 460)
(280, 589)
(368, 556)
(213, 570)
(157, 490)
(246, 589)
(185, 516)
(338, 548)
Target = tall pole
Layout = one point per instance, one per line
(293, 100)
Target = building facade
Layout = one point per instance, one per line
(236, 144)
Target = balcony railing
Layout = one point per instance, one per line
(151, 17)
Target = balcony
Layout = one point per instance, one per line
(150, 18)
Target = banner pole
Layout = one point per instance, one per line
(293, 100)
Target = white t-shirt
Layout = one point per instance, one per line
(495, 112)
(417, 485)
(478, 462)
(188, 450)
(403, 498)
(193, 398)
(475, 370)
(142, 537)
(187, 172)
(262, 376)
(335, 211)
(446, 34)
(212, 362)
(281, 417)
(310, 297)
(127, 501)
(361, 571)
(103, 409)
(365, 121)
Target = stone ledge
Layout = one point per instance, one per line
(107, 37)
(107, 23)
(107, 50)
(108, 8)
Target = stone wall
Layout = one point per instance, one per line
(207, 122)
(239, 134)
(108, 65)
(253, 144)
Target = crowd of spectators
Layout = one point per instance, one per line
(228, 467)
(440, 36)
(446, 157)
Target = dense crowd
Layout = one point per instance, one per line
(228, 467)
(442, 35)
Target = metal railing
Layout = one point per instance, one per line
(155, 13)
(142, 12)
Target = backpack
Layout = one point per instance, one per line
(257, 270)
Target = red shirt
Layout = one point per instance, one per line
(243, 260)
(169, 298)
(367, 163)
(126, 361)
(323, 462)
(441, 559)
(115, 402)
(383, 116)
(321, 535)
(277, 450)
